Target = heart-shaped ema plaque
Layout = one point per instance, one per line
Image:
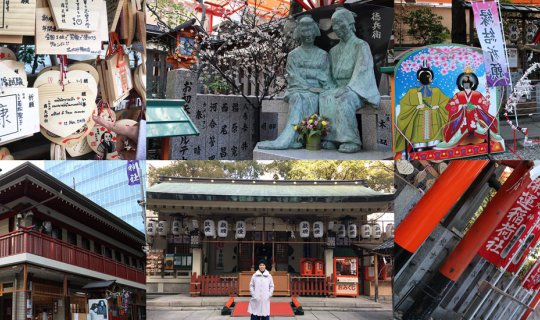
(75, 76)
(78, 148)
(76, 15)
(85, 67)
(9, 77)
(78, 135)
(62, 112)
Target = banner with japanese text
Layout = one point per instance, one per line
(488, 28)
(531, 280)
(514, 231)
(133, 172)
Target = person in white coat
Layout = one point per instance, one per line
(261, 288)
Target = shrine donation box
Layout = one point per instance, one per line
(346, 275)
(281, 283)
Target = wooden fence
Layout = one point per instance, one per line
(312, 286)
(213, 285)
(222, 285)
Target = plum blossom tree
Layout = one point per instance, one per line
(249, 48)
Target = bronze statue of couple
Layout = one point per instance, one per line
(334, 85)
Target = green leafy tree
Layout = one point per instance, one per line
(379, 175)
(208, 169)
(425, 26)
(168, 13)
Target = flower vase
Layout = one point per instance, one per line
(313, 142)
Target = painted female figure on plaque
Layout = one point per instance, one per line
(469, 121)
(308, 73)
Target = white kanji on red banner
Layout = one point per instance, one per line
(504, 241)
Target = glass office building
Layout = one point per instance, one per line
(93, 179)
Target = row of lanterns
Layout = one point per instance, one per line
(210, 229)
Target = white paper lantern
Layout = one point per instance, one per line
(390, 230)
(162, 228)
(151, 228)
(377, 231)
(365, 231)
(352, 231)
(194, 224)
(331, 226)
(318, 231)
(304, 229)
(240, 230)
(176, 227)
(209, 228)
(341, 231)
(222, 228)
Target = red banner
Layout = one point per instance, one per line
(532, 278)
(513, 230)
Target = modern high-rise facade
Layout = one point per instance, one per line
(93, 180)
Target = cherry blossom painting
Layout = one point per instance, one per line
(443, 108)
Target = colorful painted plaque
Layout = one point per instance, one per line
(443, 108)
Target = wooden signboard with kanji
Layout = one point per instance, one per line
(77, 15)
(51, 40)
(18, 113)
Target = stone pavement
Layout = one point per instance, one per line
(309, 315)
(529, 152)
(183, 302)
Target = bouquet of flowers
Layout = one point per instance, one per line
(312, 126)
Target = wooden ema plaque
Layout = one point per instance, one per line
(77, 15)
(78, 148)
(17, 18)
(74, 76)
(114, 8)
(51, 40)
(18, 113)
(85, 67)
(7, 54)
(63, 112)
(101, 140)
(117, 77)
(9, 77)
(71, 139)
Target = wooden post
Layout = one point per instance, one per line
(65, 286)
(25, 277)
(165, 148)
(252, 255)
(376, 278)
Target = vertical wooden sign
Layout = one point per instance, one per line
(18, 113)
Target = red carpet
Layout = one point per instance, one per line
(277, 309)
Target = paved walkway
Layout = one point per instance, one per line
(183, 302)
(309, 315)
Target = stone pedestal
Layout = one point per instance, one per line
(303, 154)
(375, 126)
